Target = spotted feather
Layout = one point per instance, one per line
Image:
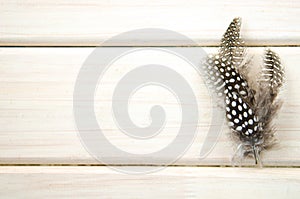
(249, 112)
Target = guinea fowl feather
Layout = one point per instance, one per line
(249, 111)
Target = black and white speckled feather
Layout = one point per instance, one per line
(232, 46)
(249, 112)
(222, 69)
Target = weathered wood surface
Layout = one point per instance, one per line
(176, 182)
(37, 124)
(36, 99)
(90, 22)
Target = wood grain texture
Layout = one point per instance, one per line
(180, 182)
(36, 109)
(90, 22)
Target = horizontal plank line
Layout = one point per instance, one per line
(141, 46)
(144, 165)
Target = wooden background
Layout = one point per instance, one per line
(43, 45)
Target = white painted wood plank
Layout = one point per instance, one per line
(90, 22)
(176, 182)
(37, 125)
